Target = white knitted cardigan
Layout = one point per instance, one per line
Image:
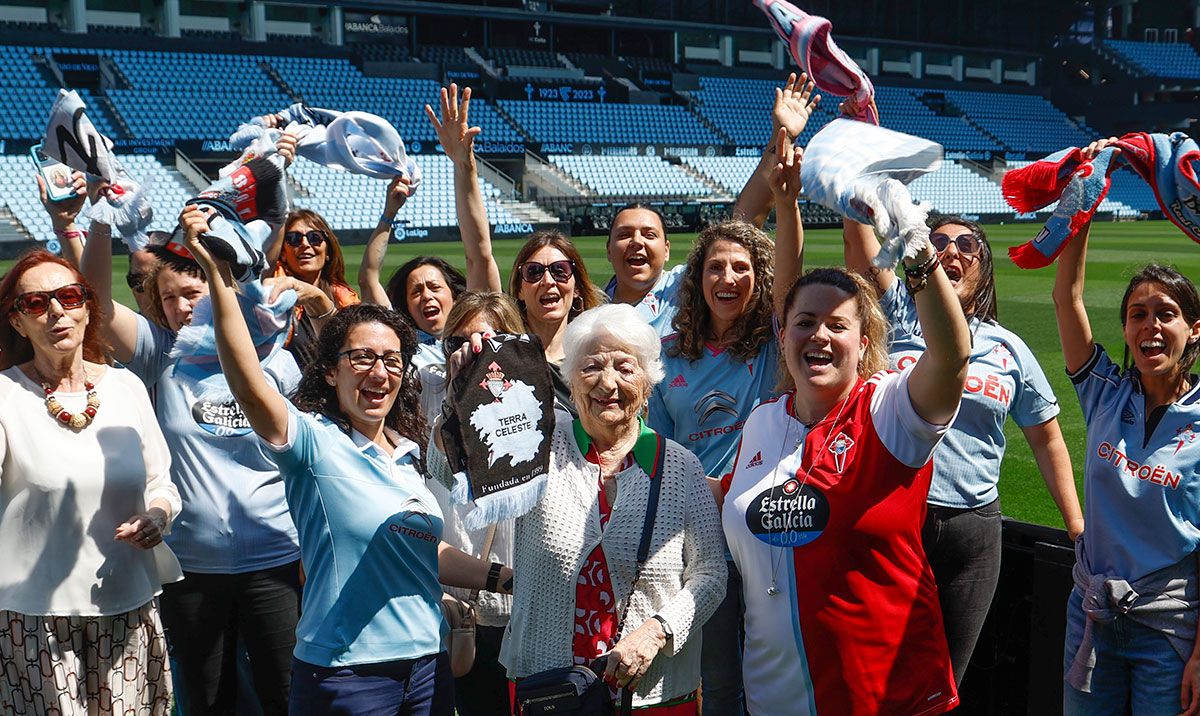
(683, 580)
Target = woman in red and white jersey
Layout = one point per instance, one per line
(824, 509)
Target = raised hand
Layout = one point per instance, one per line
(286, 146)
(784, 179)
(63, 213)
(794, 104)
(398, 191)
(1091, 150)
(455, 133)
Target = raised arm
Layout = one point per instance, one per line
(936, 383)
(286, 146)
(794, 104)
(784, 183)
(1074, 329)
(265, 408)
(860, 246)
(370, 282)
(457, 138)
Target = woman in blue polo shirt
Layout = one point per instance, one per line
(369, 637)
(1131, 619)
(962, 532)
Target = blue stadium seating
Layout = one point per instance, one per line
(1174, 60)
(613, 123)
(629, 176)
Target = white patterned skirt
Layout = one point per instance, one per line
(79, 666)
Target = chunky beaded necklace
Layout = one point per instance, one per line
(78, 421)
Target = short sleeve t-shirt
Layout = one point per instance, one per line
(702, 404)
(1142, 492)
(369, 532)
(235, 517)
(661, 303)
(824, 523)
(1003, 379)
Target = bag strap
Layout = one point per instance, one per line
(486, 551)
(643, 553)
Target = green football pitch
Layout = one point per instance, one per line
(1115, 251)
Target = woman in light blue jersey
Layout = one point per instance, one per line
(962, 534)
(722, 361)
(348, 450)
(1132, 617)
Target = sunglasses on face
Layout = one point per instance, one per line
(136, 282)
(363, 360)
(967, 244)
(35, 303)
(315, 238)
(560, 271)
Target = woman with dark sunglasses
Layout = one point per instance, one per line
(85, 499)
(310, 261)
(962, 527)
(424, 289)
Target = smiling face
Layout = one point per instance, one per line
(305, 261)
(823, 341)
(638, 249)
(611, 387)
(962, 269)
(59, 331)
(727, 282)
(366, 397)
(428, 298)
(1156, 331)
(547, 302)
(178, 294)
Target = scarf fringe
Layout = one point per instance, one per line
(899, 220)
(504, 505)
(1034, 186)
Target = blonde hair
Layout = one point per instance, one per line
(500, 309)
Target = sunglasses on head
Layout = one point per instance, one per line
(967, 244)
(35, 303)
(136, 282)
(315, 238)
(560, 271)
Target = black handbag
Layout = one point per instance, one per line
(579, 690)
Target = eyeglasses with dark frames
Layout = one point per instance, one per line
(363, 360)
(35, 303)
(561, 271)
(315, 237)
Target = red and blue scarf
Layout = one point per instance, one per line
(1167, 162)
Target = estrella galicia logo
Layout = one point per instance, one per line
(788, 515)
(714, 402)
(225, 420)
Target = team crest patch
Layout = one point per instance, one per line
(495, 382)
(1184, 436)
(840, 447)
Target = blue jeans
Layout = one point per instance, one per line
(407, 687)
(721, 653)
(1137, 671)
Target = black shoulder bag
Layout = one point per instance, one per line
(579, 690)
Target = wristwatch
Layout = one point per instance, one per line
(665, 626)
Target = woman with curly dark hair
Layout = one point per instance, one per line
(721, 362)
(370, 530)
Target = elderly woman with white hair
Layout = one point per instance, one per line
(579, 592)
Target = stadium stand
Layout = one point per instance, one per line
(615, 123)
(505, 56)
(1022, 122)
(730, 173)
(629, 176)
(1159, 59)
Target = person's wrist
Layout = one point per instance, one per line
(492, 583)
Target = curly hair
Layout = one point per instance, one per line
(588, 294)
(982, 304)
(693, 323)
(315, 395)
(16, 349)
(872, 322)
(397, 286)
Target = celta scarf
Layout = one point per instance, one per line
(356, 142)
(72, 139)
(194, 354)
(860, 171)
(812, 47)
(1167, 162)
(498, 428)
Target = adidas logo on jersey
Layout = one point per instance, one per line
(679, 382)
(1127, 416)
(755, 461)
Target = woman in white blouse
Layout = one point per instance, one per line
(85, 498)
